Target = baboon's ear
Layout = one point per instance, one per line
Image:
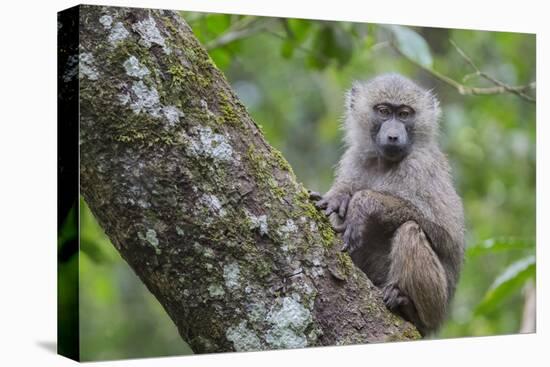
(352, 95)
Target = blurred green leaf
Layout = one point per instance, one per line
(221, 57)
(299, 29)
(331, 43)
(69, 228)
(217, 23)
(510, 281)
(412, 45)
(93, 241)
(93, 250)
(343, 46)
(287, 48)
(492, 245)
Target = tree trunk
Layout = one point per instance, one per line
(204, 210)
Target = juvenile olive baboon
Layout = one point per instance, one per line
(394, 201)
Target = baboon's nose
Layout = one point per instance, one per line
(393, 139)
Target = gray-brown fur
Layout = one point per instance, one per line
(401, 217)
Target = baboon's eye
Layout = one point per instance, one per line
(383, 111)
(404, 113)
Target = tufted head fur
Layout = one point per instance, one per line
(394, 89)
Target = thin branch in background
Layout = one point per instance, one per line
(469, 76)
(500, 87)
(303, 49)
(518, 90)
(250, 26)
(245, 28)
(380, 45)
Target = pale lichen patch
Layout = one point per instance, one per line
(86, 66)
(211, 145)
(313, 227)
(285, 339)
(317, 272)
(213, 204)
(205, 251)
(204, 106)
(288, 228)
(149, 32)
(216, 291)
(134, 68)
(172, 114)
(71, 68)
(208, 253)
(256, 311)
(146, 99)
(124, 98)
(118, 33)
(314, 255)
(231, 275)
(143, 98)
(306, 288)
(243, 338)
(289, 321)
(259, 222)
(180, 231)
(106, 21)
(151, 237)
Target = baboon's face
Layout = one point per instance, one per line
(391, 116)
(391, 130)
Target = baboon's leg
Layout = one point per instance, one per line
(416, 284)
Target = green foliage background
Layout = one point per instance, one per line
(292, 75)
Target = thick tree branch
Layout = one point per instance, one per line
(204, 210)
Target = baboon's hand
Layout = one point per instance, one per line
(353, 229)
(336, 203)
(363, 209)
(314, 195)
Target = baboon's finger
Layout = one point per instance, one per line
(347, 235)
(321, 204)
(314, 195)
(339, 228)
(329, 210)
(343, 207)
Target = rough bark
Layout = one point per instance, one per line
(205, 211)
